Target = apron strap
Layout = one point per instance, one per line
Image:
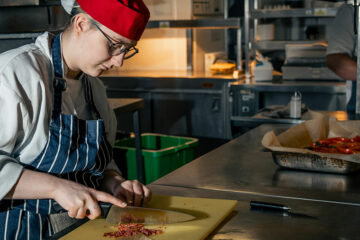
(89, 96)
(56, 55)
(59, 83)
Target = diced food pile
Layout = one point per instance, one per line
(132, 229)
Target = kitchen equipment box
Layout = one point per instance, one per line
(162, 154)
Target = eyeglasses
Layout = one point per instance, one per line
(115, 49)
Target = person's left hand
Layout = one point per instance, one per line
(132, 191)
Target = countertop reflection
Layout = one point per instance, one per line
(296, 179)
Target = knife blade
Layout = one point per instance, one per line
(131, 214)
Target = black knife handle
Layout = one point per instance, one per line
(269, 206)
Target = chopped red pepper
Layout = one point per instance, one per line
(132, 229)
(340, 145)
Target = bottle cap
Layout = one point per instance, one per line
(296, 96)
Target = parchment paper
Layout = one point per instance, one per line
(297, 138)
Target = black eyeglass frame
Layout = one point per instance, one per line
(112, 46)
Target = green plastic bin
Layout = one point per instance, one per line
(162, 154)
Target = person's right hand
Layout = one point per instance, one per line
(81, 201)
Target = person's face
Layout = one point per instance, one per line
(102, 49)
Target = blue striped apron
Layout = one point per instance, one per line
(76, 150)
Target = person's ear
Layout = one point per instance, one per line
(81, 23)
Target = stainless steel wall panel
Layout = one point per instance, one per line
(31, 19)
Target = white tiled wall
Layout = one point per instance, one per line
(159, 49)
(162, 49)
(165, 49)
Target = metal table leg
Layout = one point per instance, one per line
(139, 158)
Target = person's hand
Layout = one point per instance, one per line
(81, 201)
(132, 192)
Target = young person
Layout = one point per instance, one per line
(56, 126)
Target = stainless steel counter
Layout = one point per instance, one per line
(321, 220)
(310, 219)
(243, 166)
(323, 206)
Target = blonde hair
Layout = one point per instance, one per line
(75, 11)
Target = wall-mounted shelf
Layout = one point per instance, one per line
(19, 35)
(278, 44)
(29, 3)
(296, 12)
(210, 23)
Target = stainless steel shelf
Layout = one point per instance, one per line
(12, 3)
(298, 12)
(50, 3)
(210, 23)
(278, 44)
(29, 3)
(19, 35)
(264, 120)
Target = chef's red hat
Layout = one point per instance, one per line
(125, 17)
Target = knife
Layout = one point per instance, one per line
(144, 215)
(278, 209)
(131, 214)
(269, 206)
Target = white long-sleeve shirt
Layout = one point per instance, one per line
(26, 103)
(342, 38)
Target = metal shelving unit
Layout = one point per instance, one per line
(22, 21)
(208, 23)
(296, 12)
(277, 44)
(253, 15)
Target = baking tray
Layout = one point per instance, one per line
(314, 162)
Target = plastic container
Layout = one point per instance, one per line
(295, 106)
(162, 154)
